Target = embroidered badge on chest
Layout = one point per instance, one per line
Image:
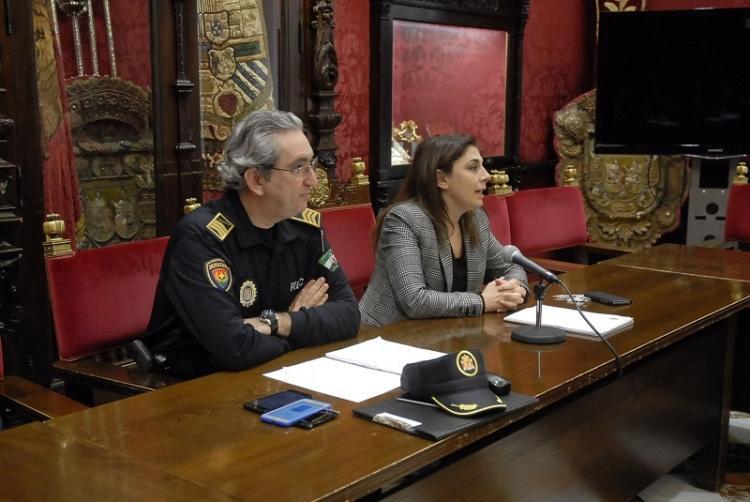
(219, 274)
(248, 293)
(329, 261)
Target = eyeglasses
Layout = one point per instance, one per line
(298, 169)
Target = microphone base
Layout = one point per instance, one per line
(541, 335)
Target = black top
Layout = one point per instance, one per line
(219, 269)
(459, 273)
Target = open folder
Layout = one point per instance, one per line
(570, 320)
(357, 372)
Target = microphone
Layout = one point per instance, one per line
(514, 255)
(536, 334)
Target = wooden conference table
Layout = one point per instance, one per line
(693, 260)
(593, 435)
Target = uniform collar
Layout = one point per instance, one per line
(248, 234)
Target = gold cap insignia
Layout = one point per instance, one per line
(467, 363)
(466, 407)
(309, 216)
(220, 226)
(248, 293)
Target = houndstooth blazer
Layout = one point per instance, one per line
(413, 275)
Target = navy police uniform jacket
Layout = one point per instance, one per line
(219, 269)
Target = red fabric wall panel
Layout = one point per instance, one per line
(557, 67)
(353, 103)
(433, 65)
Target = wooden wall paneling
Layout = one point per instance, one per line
(24, 307)
(177, 137)
(290, 73)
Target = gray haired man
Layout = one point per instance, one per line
(249, 276)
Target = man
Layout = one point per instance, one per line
(241, 282)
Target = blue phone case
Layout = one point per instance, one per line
(294, 412)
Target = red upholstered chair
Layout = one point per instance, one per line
(497, 212)
(544, 221)
(101, 299)
(349, 231)
(737, 222)
(31, 400)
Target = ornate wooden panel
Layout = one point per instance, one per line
(631, 200)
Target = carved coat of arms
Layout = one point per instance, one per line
(630, 200)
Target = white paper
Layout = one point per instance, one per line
(570, 320)
(338, 379)
(383, 355)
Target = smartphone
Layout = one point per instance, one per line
(607, 298)
(294, 412)
(273, 401)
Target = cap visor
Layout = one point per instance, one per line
(469, 402)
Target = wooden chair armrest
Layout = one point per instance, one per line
(122, 380)
(36, 400)
(558, 265)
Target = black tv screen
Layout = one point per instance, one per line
(674, 82)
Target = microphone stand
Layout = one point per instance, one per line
(538, 334)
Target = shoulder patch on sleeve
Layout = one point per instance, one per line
(219, 274)
(220, 226)
(309, 216)
(329, 261)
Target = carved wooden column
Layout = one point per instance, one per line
(325, 73)
(177, 136)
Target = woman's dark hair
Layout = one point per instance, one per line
(420, 184)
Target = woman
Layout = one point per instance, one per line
(434, 246)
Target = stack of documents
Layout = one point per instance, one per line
(570, 320)
(355, 373)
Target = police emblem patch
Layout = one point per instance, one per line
(219, 274)
(466, 363)
(329, 261)
(248, 293)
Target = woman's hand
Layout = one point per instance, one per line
(502, 295)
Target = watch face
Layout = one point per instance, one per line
(267, 315)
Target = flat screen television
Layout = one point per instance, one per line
(674, 82)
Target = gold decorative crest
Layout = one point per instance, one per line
(320, 193)
(467, 363)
